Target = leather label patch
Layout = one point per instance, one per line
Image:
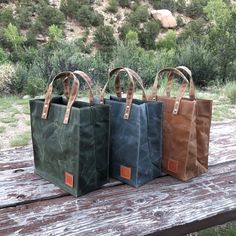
(69, 179)
(125, 172)
(172, 165)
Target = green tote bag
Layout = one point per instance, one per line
(71, 138)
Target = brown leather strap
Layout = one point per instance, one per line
(130, 91)
(73, 96)
(50, 88)
(182, 87)
(136, 77)
(186, 71)
(85, 77)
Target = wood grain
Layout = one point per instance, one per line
(123, 210)
(165, 206)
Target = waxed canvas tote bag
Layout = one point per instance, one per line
(187, 124)
(136, 133)
(71, 138)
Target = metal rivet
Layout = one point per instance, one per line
(153, 98)
(126, 114)
(45, 105)
(175, 110)
(127, 106)
(44, 113)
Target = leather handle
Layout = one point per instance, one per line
(186, 71)
(136, 77)
(182, 87)
(130, 92)
(88, 81)
(48, 95)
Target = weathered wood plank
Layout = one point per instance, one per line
(16, 158)
(222, 148)
(222, 142)
(21, 185)
(122, 210)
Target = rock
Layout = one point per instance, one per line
(26, 97)
(165, 17)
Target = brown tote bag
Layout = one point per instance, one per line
(187, 124)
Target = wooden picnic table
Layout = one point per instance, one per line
(29, 205)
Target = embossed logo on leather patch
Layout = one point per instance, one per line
(172, 165)
(125, 172)
(69, 179)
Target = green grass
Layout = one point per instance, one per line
(20, 140)
(8, 120)
(228, 229)
(26, 109)
(230, 92)
(2, 129)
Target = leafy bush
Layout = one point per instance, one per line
(181, 6)
(164, 4)
(169, 41)
(3, 56)
(125, 3)
(104, 36)
(87, 17)
(195, 8)
(35, 86)
(148, 34)
(55, 33)
(230, 91)
(139, 15)
(113, 6)
(180, 22)
(123, 31)
(56, 16)
(200, 60)
(70, 7)
(23, 14)
(6, 16)
(6, 75)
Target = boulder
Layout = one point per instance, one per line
(165, 17)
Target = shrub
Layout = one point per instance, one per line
(181, 6)
(148, 34)
(18, 83)
(169, 41)
(55, 33)
(104, 37)
(6, 16)
(70, 7)
(123, 31)
(164, 4)
(180, 22)
(230, 91)
(87, 17)
(35, 86)
(139, 15)
(200, 60)
(113, 6)
(3, 56)
(195, 8)
(56, 16)
(24, 12)
(6, 76)
(125, 3)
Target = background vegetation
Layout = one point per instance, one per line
(207, 44)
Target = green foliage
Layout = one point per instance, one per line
(139, 15)
(35, 86)
(123, 31)
(55, 33)
(87, 17)
(132, 37)
(6, 75)
(200, 60)
(104, 36)
(13, 36)
(195, 30)
(222, 36)
(181, 6)
(6, 16)
(169, 41)
(56, 16)
(180, 22)
(70, 7)
(164, 4)
(230, 91)
(3, 56)
(148, 34)
(195, 8)
(113, 6)
(24, 11)
(125, 3)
